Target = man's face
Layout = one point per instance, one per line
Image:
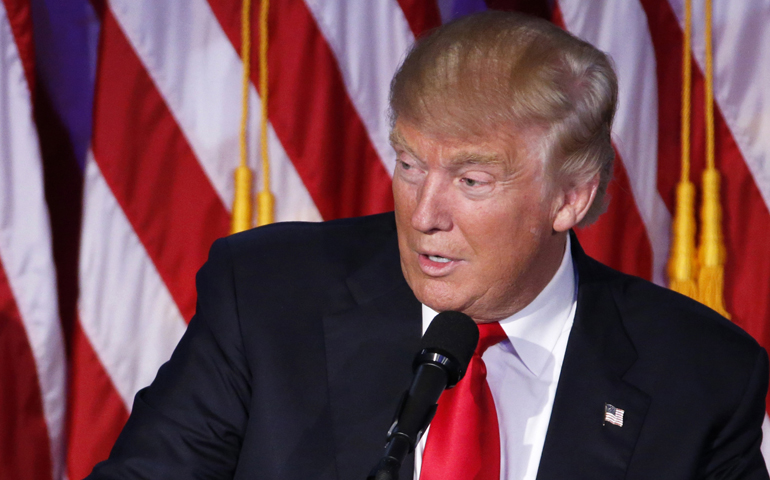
(475, 221)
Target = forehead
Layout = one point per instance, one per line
(508, 147)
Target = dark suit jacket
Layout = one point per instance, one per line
(303, 340)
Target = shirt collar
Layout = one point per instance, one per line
(534, 330)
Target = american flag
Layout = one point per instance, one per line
(613, 415)
(119, 128)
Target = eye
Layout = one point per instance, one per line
(407, 171)
(476, 184)
(472, 182)
(406, 168)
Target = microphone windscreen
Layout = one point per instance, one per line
(453, 334)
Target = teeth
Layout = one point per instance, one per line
(438, 259)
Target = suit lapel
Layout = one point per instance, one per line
(579, 444)
(370, 342)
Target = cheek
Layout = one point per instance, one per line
(403, 200)
(403, 224)
(506, 236)
(403, 196)
(488, 226)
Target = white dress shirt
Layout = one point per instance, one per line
(523, 372)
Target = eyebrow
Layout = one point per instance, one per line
(397, 140)
(471, 158)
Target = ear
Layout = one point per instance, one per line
(573, 202)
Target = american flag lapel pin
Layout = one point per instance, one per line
(613, 415)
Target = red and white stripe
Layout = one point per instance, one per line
(741, 93)
(367, 66)
(172, 42)
(32, 360)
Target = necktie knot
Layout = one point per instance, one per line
(489, 334)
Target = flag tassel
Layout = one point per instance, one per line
(682, 263)
(712, 248)
(712, 253)
(242, 214)
(265, 207)
(242, 201)
(265, 198)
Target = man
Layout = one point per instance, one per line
(304, 333)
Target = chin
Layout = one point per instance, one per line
(440, 298)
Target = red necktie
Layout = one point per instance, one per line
(464, 440)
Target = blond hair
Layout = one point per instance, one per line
(502, 70)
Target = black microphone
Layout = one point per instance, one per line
(445, 352)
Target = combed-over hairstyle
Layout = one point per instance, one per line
(501, 70)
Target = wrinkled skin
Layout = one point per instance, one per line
(481, 227)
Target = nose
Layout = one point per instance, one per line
(433, 211)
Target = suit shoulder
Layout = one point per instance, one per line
(671, 320)
(305, 249)
(348, 230)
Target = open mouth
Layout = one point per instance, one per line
(437, 265)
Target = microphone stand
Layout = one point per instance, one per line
(416, 410)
